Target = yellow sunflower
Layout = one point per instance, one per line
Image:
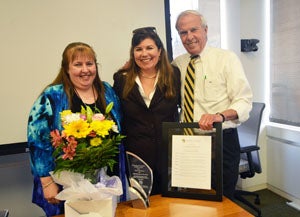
(78, 129)
(96, 141)
(102, 127)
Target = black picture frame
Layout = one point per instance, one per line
(216, 192)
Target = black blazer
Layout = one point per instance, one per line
(142, 125)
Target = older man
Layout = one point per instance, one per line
(220, 90)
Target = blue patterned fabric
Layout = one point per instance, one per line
(45, 117)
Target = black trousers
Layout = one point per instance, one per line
(231, 160)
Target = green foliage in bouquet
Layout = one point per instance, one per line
(89, 141)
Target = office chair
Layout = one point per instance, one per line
(4, 213)
(250, 163)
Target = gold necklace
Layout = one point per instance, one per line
(151, 77)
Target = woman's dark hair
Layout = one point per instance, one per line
(131, 70)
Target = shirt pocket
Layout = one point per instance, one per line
(213, 90)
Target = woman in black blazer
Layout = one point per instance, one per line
(149, 90)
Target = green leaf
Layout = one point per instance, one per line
(83, 111)
(89, 114)
(109, 107)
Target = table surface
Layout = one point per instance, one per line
(178, 207)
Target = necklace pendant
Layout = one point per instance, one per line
(148, 77)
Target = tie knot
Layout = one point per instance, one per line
(194, 57)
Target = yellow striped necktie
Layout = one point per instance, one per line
(189, 83)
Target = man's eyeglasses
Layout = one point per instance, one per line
(144, 29)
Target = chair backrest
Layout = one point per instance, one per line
(249, 132)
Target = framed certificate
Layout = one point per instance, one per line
(192, 161)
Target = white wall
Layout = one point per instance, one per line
(283, 151)
(34, 34)
(230, 25)
(252, 21)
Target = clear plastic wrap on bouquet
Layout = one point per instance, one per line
(76, 187)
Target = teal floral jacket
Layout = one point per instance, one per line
(45, 117)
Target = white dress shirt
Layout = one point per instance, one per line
(142, 92)
(220, 84)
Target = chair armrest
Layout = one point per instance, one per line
(249, 149)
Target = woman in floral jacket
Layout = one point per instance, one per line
(77, 84)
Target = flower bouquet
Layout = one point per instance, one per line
(83, 150)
